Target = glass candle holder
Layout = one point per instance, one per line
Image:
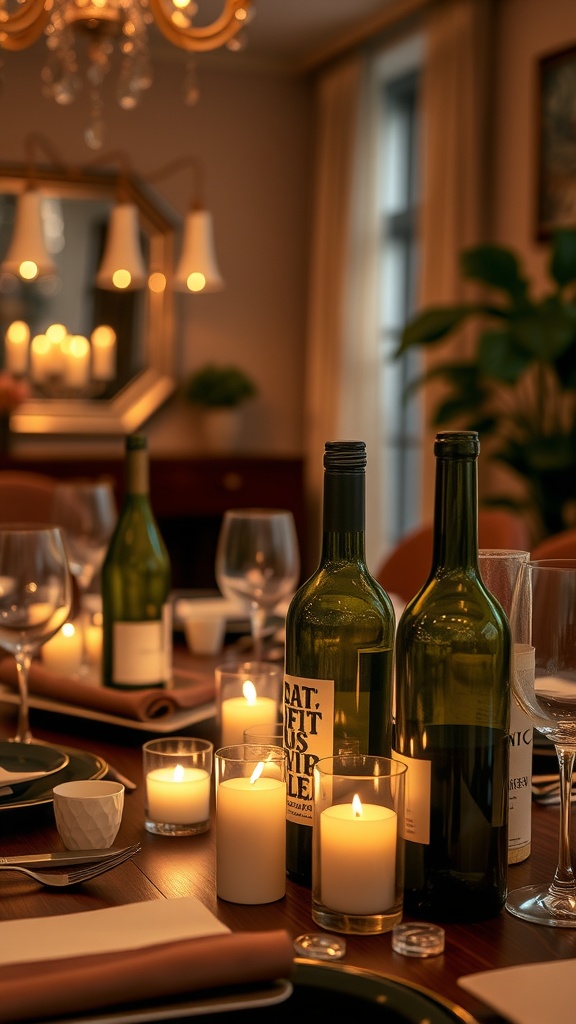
(268, 735)
(357, 843)
(247, 693)
(250, 782)
(178, 773)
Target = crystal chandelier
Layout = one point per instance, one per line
(102, 30)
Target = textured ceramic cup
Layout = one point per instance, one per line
(88, 813)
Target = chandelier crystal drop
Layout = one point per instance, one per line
(85, 38)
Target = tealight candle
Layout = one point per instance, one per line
(358, 857)
(63, 652)
(178, 795)
(237, 713)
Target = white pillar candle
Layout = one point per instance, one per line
(103, 340)
(63, 652)
(76, 361)
(358, 858)
(16, 345)
(251, 840)
(237, 713)
(178, 796)
(40, 355)
(93, 643)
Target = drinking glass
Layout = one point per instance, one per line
(86, 511)
(545, 593)
(257, 560)
(35, 599)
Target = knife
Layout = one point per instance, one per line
(62, 857)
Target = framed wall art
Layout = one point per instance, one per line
(556, 143)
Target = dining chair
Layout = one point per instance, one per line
(559, 545)
(406, 568)
(26, 496)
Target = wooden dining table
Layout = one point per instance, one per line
(171, 867)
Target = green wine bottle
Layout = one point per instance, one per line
(339, 648)
(136, 579)
(453, 655)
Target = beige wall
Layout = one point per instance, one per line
(253, 133)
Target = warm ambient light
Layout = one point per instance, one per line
(157, 282)
(116, 32)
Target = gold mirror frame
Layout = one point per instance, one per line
(141, 396)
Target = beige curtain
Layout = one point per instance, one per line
(455, 107)
(342, 386)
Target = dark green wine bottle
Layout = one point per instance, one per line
(339, 647)
(136, 580)
(453, 651)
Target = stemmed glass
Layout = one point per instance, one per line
(257, 560)
(86, 511)
(545, 596)
(35, 599)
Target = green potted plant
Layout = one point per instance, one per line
(217, 393)
(519, 389)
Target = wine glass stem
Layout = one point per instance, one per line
(564, 882)
(23, 661)
(257, 623)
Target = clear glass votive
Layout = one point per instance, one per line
(268, 735)
(250, 781)
(247, 693)
(178, 773)
(357, 843)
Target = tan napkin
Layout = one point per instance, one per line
(191, 690)
(70, 963)
(530, 993)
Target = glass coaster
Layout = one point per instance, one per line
(418, 938)
(316, 946)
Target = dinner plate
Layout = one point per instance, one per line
(82, 764)
(343, 993)
(21, 759)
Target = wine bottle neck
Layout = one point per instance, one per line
(137, 472)
(456, 514)
(344, 514)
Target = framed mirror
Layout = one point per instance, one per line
(76, 208)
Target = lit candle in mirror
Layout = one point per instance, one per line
(63, 652)
(56, 334)
(17, 340)
(40, 351)
(103, 340)
(76, 350)
(237, 713)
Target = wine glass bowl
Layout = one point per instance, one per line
(257, 560)
(86, 511)
(545, 595)
(35, 599)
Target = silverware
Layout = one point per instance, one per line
(113, 773)
(58, 879)
(61, 858)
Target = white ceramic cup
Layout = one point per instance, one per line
(205, 633)
(88, 813)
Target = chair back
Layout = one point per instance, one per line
(559, 545)
(26, 497)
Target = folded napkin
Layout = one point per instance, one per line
(190, 690)
(210, 957)
(529, 994)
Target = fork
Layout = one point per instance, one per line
(58, 879)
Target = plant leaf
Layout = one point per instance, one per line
(495, 266)
(500, 357)
(562, 264)
(434, 324)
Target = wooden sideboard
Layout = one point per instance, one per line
(190, 495)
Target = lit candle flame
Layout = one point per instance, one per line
(178, 773)
(249, 691)
(68, 629)
(257, 772)
(357, 806)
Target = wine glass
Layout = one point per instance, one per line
(545, 594)
(35, 599)
(257, 560)
(86, 511)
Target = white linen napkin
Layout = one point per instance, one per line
(529, 994)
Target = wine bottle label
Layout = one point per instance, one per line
(142, 651)
(308, 736)
(521, 742)
(417, 799)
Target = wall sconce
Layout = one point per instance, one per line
(122, 267)
(27, 257)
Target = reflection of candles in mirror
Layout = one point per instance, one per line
(93, 639)
(358, 857)
(40, 351)
(251, 839)
(237, 713)
(103, 340)
(178, 796)
(56, 334)
(76, 351)
(63, 652)
(16, 345)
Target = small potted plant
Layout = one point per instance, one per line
(217, 393)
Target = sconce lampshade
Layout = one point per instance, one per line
(197, 269)
(27, 256)
(122, 267)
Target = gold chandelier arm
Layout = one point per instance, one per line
(25, 26)
(203, 37)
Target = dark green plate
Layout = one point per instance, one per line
(31, 757)
(81, 765)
